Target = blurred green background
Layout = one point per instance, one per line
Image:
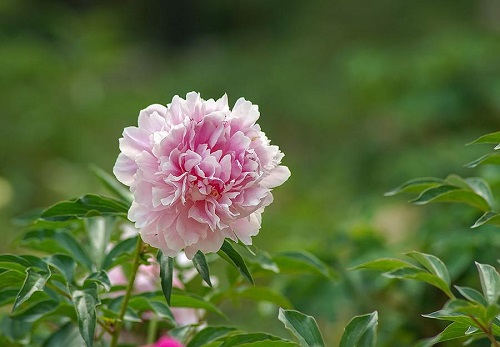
(359, 95)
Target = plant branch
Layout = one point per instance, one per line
(128, 293)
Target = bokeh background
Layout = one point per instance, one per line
(360, 95)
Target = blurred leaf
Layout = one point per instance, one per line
(36, 311)
(101, 278)
(85, 301)
(208, 334)
(87, 206)
(384, 264)
(263, 294)
(417, 185)
(99, 231)
(142, 304)
(57, 241)
(67, 335)
(16, 330)
(123, 248)
(200, 264)
(488, 138)
(183, 299)
(472, 295)
(453, 331)
(269, 343)
(112, 184)
(34, 282)
(481, 188)
(490, 282)
(249, 339)
(361, 331)
(228, 253)
(303, 327)
(12, 279)
(452, 194)
(433, 264)
(302, 261)
(420, 275)
(166, 274)
(459, 311)
(13, 262)
(265, 261)
(7, 296)
(64, 263)
(491, 158)
(492, 218)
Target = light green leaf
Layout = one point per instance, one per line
(433, 264)
(453, 331)
(209, 334)
(417, 185)
(481, 188)
(262, 294)
(11, 279)
(488, 138)
(57, 241)
(112, 184)
(449, 193)
(228, 253)
(85, 301)
(420, 275)
(89, 205)
(303, 262)
(201, 265)
(123, 249)
(303, 327)
(67, 335)
(460, 311)
(384, 264)
(166, 274)
(99, 231)
(472, 295)
(361, 331)
(491, 158)
(492, 218)
(34, 282)
(490, 282)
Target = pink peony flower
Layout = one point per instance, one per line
(166, 342)
(199, 172)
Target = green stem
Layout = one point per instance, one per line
(152, 331)
(128, 293)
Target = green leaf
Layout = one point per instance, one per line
(488, 138)
(201, 265)
(492, 158)
(451, 332)
(112, 184)
(57, 241)
(36, 311)
(67, 335)
(89, 205)
(262, 294)
(142, 304)
(209, 334)
(482, 189)
(13, 262)
(123, 249)
(384, 264)
(16, 330)
(492, 218)
(101, 278)
(433, 264)
(490, 282)
(302, 261)
(166, 274)
(460, 311)
(7, 296)
(417, 185)
(449, 193)
(361, 331)
(182, 299)
(64, 263)
(99, 231)
(303, 327)
(11, 279)
(228, 253)
(269, 343)
(244, 339)
(34, 282)
(472, 295)
(85, 301)
(420, 275)
(264, 261)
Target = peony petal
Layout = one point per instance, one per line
(276, 177)
(125, 169)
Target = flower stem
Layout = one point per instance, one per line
(128, 293)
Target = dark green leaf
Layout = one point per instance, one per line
(453, 331)
(14, 262)
(417, 185)
(361, 331)
(36, 311)
(16, 330)
(101, 278)
(124, 249)
(303, 327)
(34, 282)
(209, 334)
(452, 194)
(472, 295)
(201, 265)
(302, 261)
(228, 253)
(68, 336)
(99, 231)
(179, 299)
(85, 301)
(7, 296)
(269, 343)
(488, 138)
(57, 241)
(64, 263)
(113, 185)
(490, 282)
(11, 279)
(166, 274)
(244, 339)
(84, 207)
(460, 311)
(142, 304)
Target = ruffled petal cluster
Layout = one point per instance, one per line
(199, 172)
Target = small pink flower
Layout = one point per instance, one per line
(166, 342)
(199, 172)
